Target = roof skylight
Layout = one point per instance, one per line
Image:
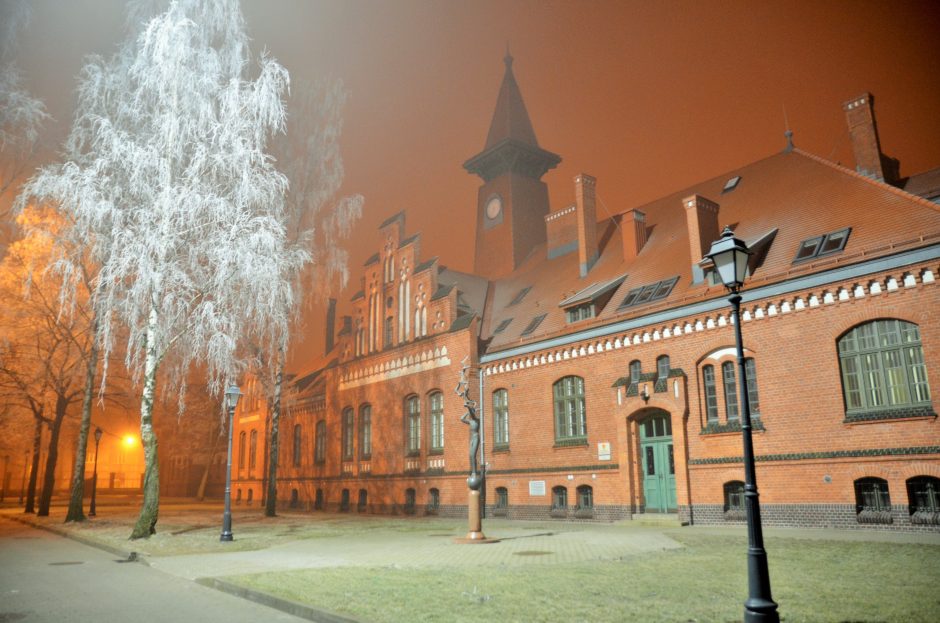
(520, 295)
(502, 326)
(827, 244)
(648, 293)
(533, 324)
(731, 184)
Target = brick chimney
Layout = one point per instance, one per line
(701, 216)
(866, 146)
(632, 233)
(330, 325)
(585, 198)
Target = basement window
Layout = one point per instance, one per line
(519, 296)
(821, 246)
(533, 324)
(502, 326)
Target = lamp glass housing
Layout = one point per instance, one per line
(98, 433)
(232, 394)
(729, 255)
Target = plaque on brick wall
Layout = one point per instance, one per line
(536, 487)
(603, 451)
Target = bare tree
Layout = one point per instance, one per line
(167, 162)
(42, 351)
(315, 219)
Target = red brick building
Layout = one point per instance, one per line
(603, 352)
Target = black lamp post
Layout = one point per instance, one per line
(729, 255)
(231, 401)
(94, 474)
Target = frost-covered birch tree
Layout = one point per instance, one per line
(315, 219)
(21, 114)
(167, 163)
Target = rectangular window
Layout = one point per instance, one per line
(365, 432)
(711, 394)
(570, 420)
(413, 415)
(437, 421)
(501, 418)
(827, 244)
(753, 399)
(651, 292)
(348, 434)
(731, 392)
(533, 324)
(581, 312)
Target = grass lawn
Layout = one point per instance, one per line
(705, 581)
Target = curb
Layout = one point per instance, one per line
(294, 608)
(127, 555)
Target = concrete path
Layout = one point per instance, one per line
(44, 577)
(521, 543)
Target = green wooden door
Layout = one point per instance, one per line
(659, 467)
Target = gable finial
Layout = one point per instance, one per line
(788, 133)
(508, 58)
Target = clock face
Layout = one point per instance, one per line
(493, 207)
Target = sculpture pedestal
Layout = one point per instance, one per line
(475, 534)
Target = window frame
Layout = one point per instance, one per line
(412, 409)
(436, 422)
(570, 410)
(252, 449)
(878, 360)
(297, 447)
(349, 433)
(710, 387)
(241, 449)
(319, 448)
(365, 432)
(501, 418)
(730, 391)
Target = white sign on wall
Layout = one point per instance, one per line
(603, 451)
(536, 487)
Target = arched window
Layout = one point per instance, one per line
(318, 500)
(662, 367)
(872, 501)
(753, 400)
(502, 497)
(734, 500)
(241, 450)
(434, 501)
(252, 449)
(294, 498)
(413, 424)
(436, 407)
(585, 497)
(883, 369)
(731, 391)
(363, 501)
(238, 496)
(559, 500)
(409, 501)
(344, 501)
(251, 496)
(570, 417)
(349, 432)
(636, 368)
(711, 393)
(365, 432)
(319, 450)
(923, 500)
(389, 332)
(501, 419)
(296, 445)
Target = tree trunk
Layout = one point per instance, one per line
(270, 502)
(52, 456)
(147, 520)
(201, 492)
(77, 499)
(34, 468)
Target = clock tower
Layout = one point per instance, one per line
(512, 202)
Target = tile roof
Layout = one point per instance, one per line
(795, 193)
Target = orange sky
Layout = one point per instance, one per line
(649, 97)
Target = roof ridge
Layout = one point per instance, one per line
(878, 183)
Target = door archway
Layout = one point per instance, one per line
(657, 462)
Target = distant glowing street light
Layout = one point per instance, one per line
(130, 440)
(94, 475)
(232, 395)
(730, 256)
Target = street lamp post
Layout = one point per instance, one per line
(729, 254)
(94, 474)
(231, 401)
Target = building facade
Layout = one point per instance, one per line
(602, 353)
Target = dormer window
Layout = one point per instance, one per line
(820, 246)
(580, 312)
(590, 301)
